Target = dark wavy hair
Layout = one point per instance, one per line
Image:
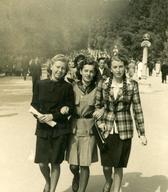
(87, 61)
(78, 59)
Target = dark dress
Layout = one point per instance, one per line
(48, 98)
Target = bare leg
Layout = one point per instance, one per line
(55, 173)
(84, 177)
(118, 175)
(108, 176)
(75, 171)
(45, 170)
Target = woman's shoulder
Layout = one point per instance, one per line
(131, 81)
(67, 85)
(103, 83)
(132, 84)
(43, 81)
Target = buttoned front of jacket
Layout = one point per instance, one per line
(48, 98)
(119, 111)
(85, 106)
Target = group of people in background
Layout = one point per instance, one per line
(77, 95)
(26, 66)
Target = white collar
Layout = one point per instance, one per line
(120, 84)
(116, 85)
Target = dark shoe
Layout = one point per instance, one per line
(107, 186)
(75, 183)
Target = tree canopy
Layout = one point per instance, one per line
(47, 27)
(126, 30)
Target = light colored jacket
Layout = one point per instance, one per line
(85, 106)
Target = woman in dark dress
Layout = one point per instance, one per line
(54, 99)
(116, 94)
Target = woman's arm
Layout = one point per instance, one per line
(99, 106)
(99, 96)
(137, 110)
(67, 108)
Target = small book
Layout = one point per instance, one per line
(100, 139)
(37, 114)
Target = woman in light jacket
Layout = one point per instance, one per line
(115, 95)
(82, 147)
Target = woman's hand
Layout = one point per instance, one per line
(64, 110)
(102, 126)
(98, 113)
(143, 140)
(45, 118)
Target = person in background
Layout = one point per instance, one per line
(35, 70)
(25, 67)
(78, 59)
(150, 67)
(71, 74)
(164, 71)
(115, 95)
(131, 69)
(48, 65)
(103, 70)
(54, 99)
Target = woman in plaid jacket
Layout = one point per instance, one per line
(116, 94)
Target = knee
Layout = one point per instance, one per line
(74, 168)
(118, 170)
(84, 168)
(107, 169)
(43, 165)
(55, 166)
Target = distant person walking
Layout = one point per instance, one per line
(164, 70)
(35, 70)
(150, 67)
(25, 67)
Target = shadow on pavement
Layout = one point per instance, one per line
(136, 182)
(132, 182)
(9, 115)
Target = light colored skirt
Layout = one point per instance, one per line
(82, 150)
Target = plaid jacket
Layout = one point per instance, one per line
(115, 110)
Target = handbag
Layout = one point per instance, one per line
(100, 139)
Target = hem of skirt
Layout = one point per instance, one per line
(115, 166)
(72, 163)
(47, 162)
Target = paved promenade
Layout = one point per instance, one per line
(148, 166)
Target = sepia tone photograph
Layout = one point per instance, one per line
(84, 95)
